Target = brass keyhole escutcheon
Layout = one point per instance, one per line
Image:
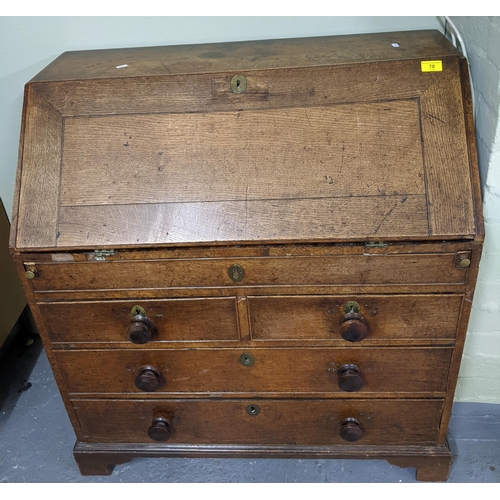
(351, 306)
(136, 310)
(236, 272)
(253, 410)
(246, 359)
(238, 84)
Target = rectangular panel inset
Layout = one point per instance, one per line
(365, 149)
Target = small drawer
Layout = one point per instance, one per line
(339, 270)
(310, 422)
(353, 319)
(328, 372)
(142, 321)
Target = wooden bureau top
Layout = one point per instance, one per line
(334, 139)
(246, 55)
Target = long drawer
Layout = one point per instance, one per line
(379, 269)
(263, 421)
(328, 372)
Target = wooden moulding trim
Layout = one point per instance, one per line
(334, 451)
(457, 238)
(432, 462)
(232, 396)
(471, 143)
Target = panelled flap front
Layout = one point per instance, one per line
(342, 153)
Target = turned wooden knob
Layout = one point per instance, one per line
(148, 379)
(350, 378)
(160, 429)
(140, 330)
(353, 327)
(350, 430)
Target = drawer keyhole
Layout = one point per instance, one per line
(238, 84)
(253, 410)
(246, 359)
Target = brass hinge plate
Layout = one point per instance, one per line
(102, 254)
(376, 244)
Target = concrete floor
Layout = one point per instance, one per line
(36, 442)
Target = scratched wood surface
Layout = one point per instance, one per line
(300, 153)
(258, 54)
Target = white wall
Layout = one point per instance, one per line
(479, 378)
(28, 44)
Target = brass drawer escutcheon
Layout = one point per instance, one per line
(236, 272)
(246, 359)
(238, 84)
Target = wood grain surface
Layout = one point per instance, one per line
(336, 143)
(308, 422)
(295, 371)
(389, 317)
(395, 270)
(174, 320)
(247, 55)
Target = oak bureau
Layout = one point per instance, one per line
(253, 249)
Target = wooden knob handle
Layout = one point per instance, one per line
(140, 330)
(350, 378)
(160, 429)
(353, 327)
(350, 430)
(148, 379)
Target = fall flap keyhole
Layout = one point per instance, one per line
(238, 84)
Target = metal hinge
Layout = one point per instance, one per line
(376, 244)
(102, 254)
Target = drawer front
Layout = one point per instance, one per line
(380, 269)
(257, 371)
(210, 319)
(407, 317)
(299, 422)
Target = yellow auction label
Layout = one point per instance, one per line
(428, 66)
